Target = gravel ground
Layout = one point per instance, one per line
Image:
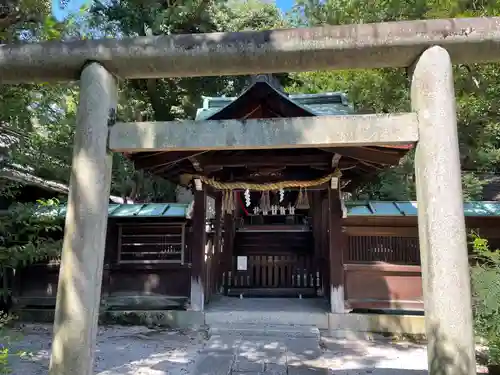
(120, 351)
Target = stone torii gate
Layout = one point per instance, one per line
(427, 48)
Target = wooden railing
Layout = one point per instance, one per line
(276, 271)
(151, 243)
(383, 272)
(393, 250)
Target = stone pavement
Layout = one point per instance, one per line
(258, 355)
(142, 351)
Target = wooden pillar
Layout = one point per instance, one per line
(316, 227)
(218, 241)
(316, 223)
(336, 244)
(227, 252)
(441, 222)
(198, 243)
(80, 275)
(325, 244)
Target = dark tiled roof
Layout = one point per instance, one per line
(325, 104)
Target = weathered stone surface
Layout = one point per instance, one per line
(441, 223)
(302, 350)
(298, 132)
(214, 364)
(394, 44)
(275, 369)
(262, 330)
(80, 275)
(306, 370)
(242, 364)
(138, 302)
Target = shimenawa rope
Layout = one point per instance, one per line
(272, 186)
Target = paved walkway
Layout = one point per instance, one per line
(229, 355)
(224, 355)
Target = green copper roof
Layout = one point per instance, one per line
(138, 210)
(354, 208)
(324, 104)
(407, 208)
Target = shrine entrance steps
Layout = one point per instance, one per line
(275, 312)
(300, 317)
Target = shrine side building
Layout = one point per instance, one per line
(280, 227)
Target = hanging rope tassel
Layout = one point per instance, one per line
(306, 205)
(300, 200)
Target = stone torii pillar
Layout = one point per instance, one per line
(441, 223)
(80, 276)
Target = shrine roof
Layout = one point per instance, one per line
(354, 208)
(408, 208)
(264, 98)
(138, 210)
(324, 104)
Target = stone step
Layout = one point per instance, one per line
(264, 330)
(293, 318)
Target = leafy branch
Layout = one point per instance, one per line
(27, 236)
(485, 274)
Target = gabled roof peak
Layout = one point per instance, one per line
(323, 104)
(270, 79)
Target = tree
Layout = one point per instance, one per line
(173, 98)
(42, 117)
(387, 90)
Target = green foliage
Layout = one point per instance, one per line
(472, 186)
(387, 90)
(45, 114)
(485, 274)
(25, 236)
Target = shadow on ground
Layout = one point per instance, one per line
(303, 356)
(138, 350)
(120, 351)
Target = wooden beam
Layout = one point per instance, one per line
(360, 46)
(297, 132)
(368, 154)
(156, 159)
(265, 159)
(197, 243)
(217, 264)
(196, 164)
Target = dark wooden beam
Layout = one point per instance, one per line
(251, 160)
(218, 241)
(227, 248)
(149, 160)
(367, 154)
(316, 225)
